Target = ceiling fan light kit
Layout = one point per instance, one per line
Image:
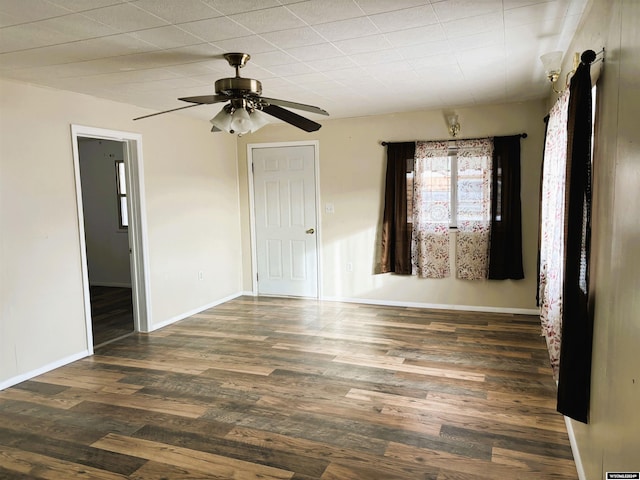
(245, 112)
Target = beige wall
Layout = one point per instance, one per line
(191, 207)
(352, 166)
(611, 441)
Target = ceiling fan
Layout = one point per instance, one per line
(246, 109)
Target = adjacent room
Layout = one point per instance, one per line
(319, 239)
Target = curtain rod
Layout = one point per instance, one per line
(521, 135)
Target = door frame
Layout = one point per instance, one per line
(137, 230)
(252, 212)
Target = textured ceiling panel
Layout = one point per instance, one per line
(350, 57)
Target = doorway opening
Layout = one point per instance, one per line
(106, 224)
(112, 233)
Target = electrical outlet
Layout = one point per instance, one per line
(200, 275)
(329, 208)
(349, 267)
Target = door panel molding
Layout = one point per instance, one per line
(252, 211)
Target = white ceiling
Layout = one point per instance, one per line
(350, 57)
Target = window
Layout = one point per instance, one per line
(470, 186)
(452, 190)
(121, 192)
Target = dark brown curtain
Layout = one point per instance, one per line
(505, 251)
(396, 231)
(574, 381)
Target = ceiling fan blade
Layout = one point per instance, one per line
(215, 129)
(297, 106)
(292, 118)
(166, 111)
(205, 99)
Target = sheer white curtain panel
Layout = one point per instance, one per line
(552, 228)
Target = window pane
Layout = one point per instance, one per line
(435, 195)
(124, 217)
(474, 203)
(121, 192)
(409, 197)
(122, 186)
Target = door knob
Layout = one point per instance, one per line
(311, 231)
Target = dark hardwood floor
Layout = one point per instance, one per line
(111, 313)
(267, 388)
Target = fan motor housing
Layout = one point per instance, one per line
(238, 86)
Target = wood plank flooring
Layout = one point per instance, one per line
(268, 388)
(111, 313)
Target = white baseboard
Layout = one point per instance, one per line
(44, 369)
(574, 449)
(435, 306)
(182, 316)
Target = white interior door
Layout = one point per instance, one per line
(285, 220)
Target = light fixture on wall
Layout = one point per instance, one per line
(552, 63)
(453, 124)
(238, 117)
